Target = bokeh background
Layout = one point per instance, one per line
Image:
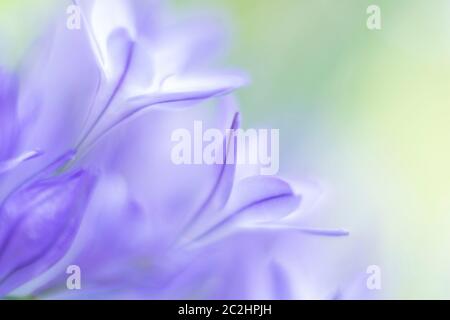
(364, 119)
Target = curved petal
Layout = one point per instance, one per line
(54, 101)
(219, 194)
(12, 163)
(109, 239)
(142, 72)
(263, 198)
(175, 88)
(309, 231)
(254, 200)
(101, 19)
(38, 224)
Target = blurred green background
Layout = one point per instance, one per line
(364, 114)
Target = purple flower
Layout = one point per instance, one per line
(40, 216)
(149, 228)
(39, 223)
(196, 232)
(142, 65)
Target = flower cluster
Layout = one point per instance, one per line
(87, 179)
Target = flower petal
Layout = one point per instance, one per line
(262, 199)
(38, 224)
(280, 281)
(254, 200)
(8, 117)
(101, 19)
(142, 71)
(177, 88)
(220, 192)
(12, 163)
(309, 231)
